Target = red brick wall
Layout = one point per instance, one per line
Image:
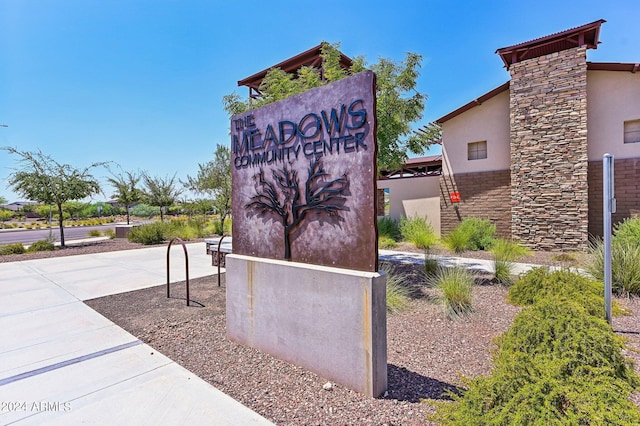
(486, 195)
(627, 192)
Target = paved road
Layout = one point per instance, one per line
(28, 236)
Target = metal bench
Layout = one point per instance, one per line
(218, 248)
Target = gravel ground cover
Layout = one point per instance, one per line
(427, 353)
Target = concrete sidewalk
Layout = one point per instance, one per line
(63, 363)
(478, 265)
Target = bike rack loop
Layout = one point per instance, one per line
(186, 264)
(218, 256)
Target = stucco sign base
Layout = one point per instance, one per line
(331, 321)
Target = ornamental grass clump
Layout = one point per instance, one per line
(625, 265)
(15, 248)
(505, 253)
(558, 364)
(397, 291)
(454, 286)
(388, 228)
(456, 241)
(418, 231)
(41, 245)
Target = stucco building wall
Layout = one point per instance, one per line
(415, 196)
(613, 97)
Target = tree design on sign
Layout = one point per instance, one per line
(291, 204)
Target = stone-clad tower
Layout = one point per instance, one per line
(548, 131)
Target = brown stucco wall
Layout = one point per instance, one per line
(627, 192)
(485, 195)
(549, 163)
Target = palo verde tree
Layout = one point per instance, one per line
(126, 188)
(44, 180)
(160, 192)
(398, 102)
(214, 180)
(284, 198)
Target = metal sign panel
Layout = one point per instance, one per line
(304, 177)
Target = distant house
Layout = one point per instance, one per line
(528, 154)
(17, 205)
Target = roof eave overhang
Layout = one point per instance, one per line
(585, 35)
(311, 57)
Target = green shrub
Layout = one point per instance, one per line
(397, 290)
(481, 232)
(540, 283)
(625, 266)
(16, 248)
(385, 242)
(562, 328)
(144, 210)
(184, 231)
(157, 232)
(111, 233)
(471, 234)
(65, 216)
(91, 210)
(628, 230)
(218, 228)
(94, 233)
(454, 286)
(556, 365)
(41, 245)
(418, 231)
(389, 228)
(152, 233)
(5, 215)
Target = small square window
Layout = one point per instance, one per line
(632, 131)
(477, 150)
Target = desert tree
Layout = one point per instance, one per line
(214, 181)
(126, 190)
(3, 200)
(284, 198)
(44, 180)
(399, 104)
(160, 192)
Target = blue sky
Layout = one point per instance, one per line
(140, 82)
